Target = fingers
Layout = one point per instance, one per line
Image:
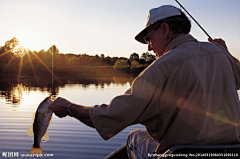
(219, 41)
(59, 107)
(210, 40)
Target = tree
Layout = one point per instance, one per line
(107, 60)
(11, 44)
(102, 56)
(113, 60)
(134, 57)
(121, 63)
(19, 51)
(147, 58)
(96, 57)
(134, 64)
(53, 50)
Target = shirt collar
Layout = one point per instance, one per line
(179, 40)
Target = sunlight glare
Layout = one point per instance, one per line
(32, 67)
(19, 50)
(46, 67)
(27, 40)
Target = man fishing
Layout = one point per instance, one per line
(187, 96)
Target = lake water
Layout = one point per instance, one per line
(68, 138)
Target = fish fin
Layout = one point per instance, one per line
(33, 116)
(45, 137)
(36, 150)
(30, 131)
(50, 121)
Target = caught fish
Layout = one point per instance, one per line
(41, 121)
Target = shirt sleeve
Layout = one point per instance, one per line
(123, 110)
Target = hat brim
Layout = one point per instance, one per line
(141, 35)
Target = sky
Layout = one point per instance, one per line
(108, 26)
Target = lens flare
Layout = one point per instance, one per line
(222, 119)
(30, 60)
(46, 67)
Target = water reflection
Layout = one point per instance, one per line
(13, 92)
(69, 138)
(13, 95)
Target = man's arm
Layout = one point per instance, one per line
(60, 105)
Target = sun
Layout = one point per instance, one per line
(19, 51)
(28, 39)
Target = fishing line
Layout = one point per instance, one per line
(194, 20)
(52, 70)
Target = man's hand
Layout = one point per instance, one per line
(222, 43)
(219, 41)
(59, 107)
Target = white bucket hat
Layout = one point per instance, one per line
(155, 15)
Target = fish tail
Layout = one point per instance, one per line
(36, 151)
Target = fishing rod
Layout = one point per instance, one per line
(202, 28)
(194, 20)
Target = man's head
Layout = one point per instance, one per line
(163, 25)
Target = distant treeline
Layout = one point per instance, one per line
(22, 61)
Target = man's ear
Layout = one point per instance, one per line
(165, 30)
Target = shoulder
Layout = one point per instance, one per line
(184, 52)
